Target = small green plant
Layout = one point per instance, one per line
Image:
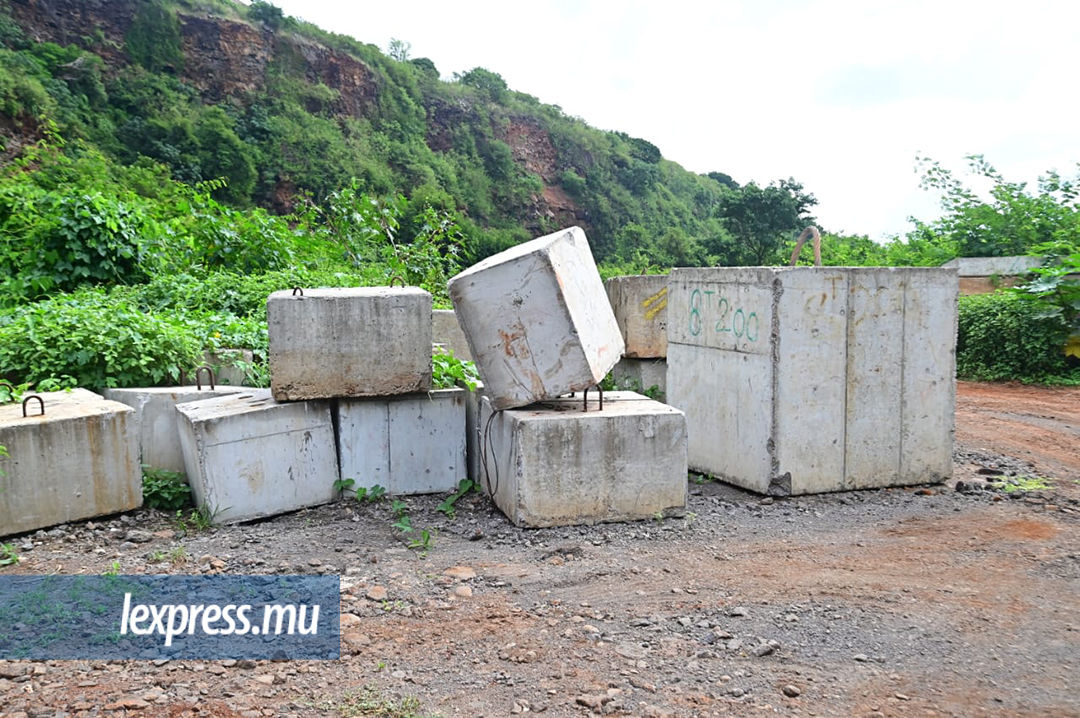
(112, 570)
(178, 556)
(369, 703)
(165, 490)
(8, 555)
(1025, 483)
(403, 524)
(158, 557)
(343, 485)
(370, 495)
(398, 508)
(425, 541)
(197, 519)
(447, 506)
(447, 370)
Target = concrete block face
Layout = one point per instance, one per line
(248, 456)
(413, 444)
(640, 306)
(641, 374)
(223, 364)
(842, 378)
(157, 421)
(78, 461)
(445, 330)
(554, 465)
(373, 341)
(537, 320)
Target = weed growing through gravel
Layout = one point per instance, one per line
(368, 702)
(165, 490)
(1025, 483)
(447, 506)
(8, 555)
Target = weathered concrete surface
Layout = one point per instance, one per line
(640, 306)
(808, 380)
(553, 465)
(374, 341)
(79, 460)
(412, 444)
(472, 432)
(223, 363)
(445, 330)
(248, 456)
(537, 320)
(640, 375)
(157, 421)
(991, 266)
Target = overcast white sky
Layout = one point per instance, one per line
(839, 94)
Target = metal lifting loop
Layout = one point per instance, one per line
(198, 377)
(396, 278)
(297, 290)
(808, 232)
(26, 401)
(586, 397)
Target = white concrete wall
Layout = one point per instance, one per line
(374, 341)
(79, 460)
(445, 330)
(223, 362)
(842, 378)
(537, 320)
(414, 444)
(157, 420)
(247, 456)
(640, 306)
(554, 465)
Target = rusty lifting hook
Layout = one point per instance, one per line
(396, 278)
(198, 377)
(586, 398)
(297, 290)
(41, 402)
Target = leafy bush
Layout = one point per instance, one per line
(447, 370)
(165, 490)
(1005, 336)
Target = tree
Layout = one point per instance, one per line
(762, 218)
(488, 82)
(269, 15)
(399, 49)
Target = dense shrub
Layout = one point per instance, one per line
(1007, 336)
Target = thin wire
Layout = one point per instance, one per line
(484, 444)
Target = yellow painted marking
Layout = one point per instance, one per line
(662, 293)
(657, 309)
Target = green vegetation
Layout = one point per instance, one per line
(165, 490)
(1024, 483)
(447, 371)
(8, 555)
(368, 702)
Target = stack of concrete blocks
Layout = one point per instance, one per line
(539, 327)
(350, 398)
(809, 380)
(158, 422)
(78, 460)
(640, 306)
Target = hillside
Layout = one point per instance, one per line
(289, 114)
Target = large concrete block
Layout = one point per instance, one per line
(537, 320)
(374, 341)
(640, 306)
(412, 444)
(157, 421)
(552, 464)
(223, 363)
(79, 460)
(445, 330)
(808, 380)
(641, 375)
(248, 456)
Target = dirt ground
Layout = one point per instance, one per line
(918, 602)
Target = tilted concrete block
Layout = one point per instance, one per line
(248, 456)
(808, 380)
(79, 460)
(552, 464)
(445, 330)
(641, 375)
(157, 420)
(640, 306)
(537, 320)
(412, 444)
(374, 341)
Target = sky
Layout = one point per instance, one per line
(841, 95)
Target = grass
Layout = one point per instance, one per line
(1025, 483)
(8, 555)
(368, 702)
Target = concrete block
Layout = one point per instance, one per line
(412, 444)
(537, 320)
(79, 460)
(640, 306)
(640, 375)
(445, 330)
(472, 433)
(808, 380)
(374, 341)
(157, 421)
(248, 456)
(223, 363)
(553, 465)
